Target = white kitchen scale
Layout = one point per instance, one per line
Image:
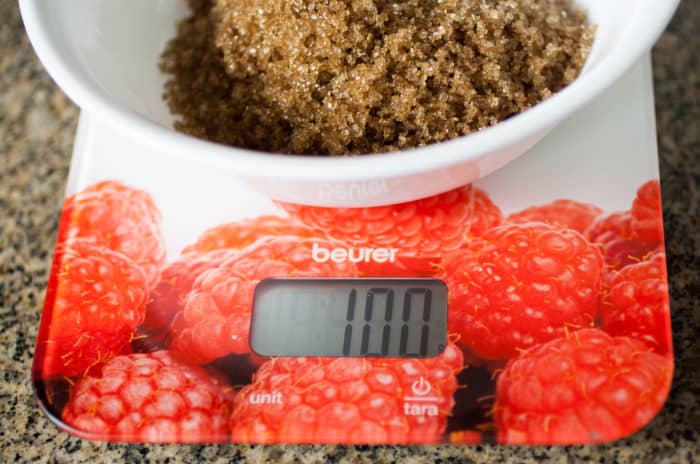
(334, 354)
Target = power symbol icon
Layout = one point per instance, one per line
(421, 387)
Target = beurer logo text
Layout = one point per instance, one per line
(354, 255)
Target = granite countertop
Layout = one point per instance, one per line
(37, 125)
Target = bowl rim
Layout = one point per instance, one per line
(265, 165)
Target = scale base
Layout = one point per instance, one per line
(185, 316)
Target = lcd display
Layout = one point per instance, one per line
(349, 317)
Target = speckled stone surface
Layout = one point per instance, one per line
(37, 126)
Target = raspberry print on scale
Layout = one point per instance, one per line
(136, 348)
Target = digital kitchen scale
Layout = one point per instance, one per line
(464, 318)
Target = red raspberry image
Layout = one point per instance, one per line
(348, 400)
(425, 227)
(95, 299)
(149, 398)
(636, 304)
(564, 213)
(176, 282)
(613, 234)
(120, 218)
(466, 437)
(519, 285)
(215, 320)
(240, 234)
(485, 214)
(647, 216)
(585, 387)
(417, 230)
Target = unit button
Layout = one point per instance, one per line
(273, 397)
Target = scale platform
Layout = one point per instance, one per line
(185, 307)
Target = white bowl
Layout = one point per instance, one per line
(104, 54)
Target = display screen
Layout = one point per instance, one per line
(349, 317)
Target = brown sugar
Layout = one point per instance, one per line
(364, 76)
